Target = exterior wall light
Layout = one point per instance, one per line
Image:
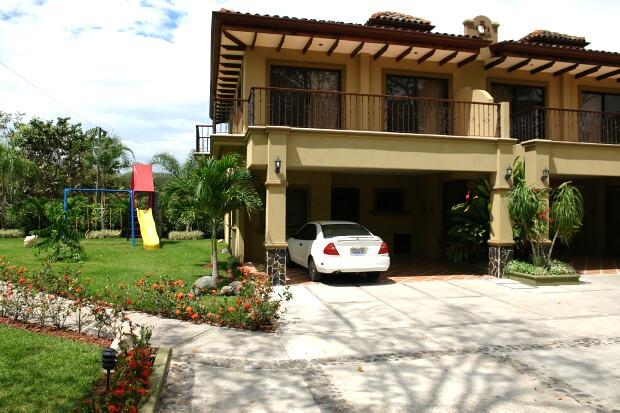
(108, 362)
(508, 172)
(545, 175)
(278, 164)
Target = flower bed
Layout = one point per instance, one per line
(257, 307)
(185, 235)
(558, 273)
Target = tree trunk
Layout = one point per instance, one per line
(555, 236)
(214, 272)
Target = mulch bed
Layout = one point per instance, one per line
(50, 331)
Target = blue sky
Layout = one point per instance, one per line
(140, 68)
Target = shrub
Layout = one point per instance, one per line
(185, 235)
(11, 233)
(104, 233)
(556, 267)
(62, 241)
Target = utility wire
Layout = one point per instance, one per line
(47, 94)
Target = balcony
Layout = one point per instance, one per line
(566, 125)
(317, 109)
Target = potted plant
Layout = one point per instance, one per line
(532, 220)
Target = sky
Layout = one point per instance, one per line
(140, 68)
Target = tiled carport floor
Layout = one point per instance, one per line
(402, 270)
(420, 269)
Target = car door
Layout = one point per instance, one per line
(308, 236)
(295, 244)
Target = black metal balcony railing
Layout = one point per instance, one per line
(203, 139)
(353, 111)
(566, 125)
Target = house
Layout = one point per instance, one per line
(388, 123)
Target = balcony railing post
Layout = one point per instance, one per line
(504, 120)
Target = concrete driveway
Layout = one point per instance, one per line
(446, 346)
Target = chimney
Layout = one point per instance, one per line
(481, 27)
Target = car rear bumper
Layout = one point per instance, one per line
(329, 265)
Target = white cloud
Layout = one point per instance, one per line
(141, 68)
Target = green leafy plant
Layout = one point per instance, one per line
(529, 213)
(61, 241)
(555, 267)
(467, 236)
(566, 215)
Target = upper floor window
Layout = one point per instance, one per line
(525, 121)
(600, 121)
(416, 115)
(316, 109)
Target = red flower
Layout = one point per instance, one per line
(133, 365)
(231, 309)
(118, 392)
(129, 302)
(112, 408)
(180, 296)
(468, 197)
(246, 306)
(21, 280)
(195, 316)
(132, 409)
(188, 310)
(178, 312)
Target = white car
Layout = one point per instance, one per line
(334, 247)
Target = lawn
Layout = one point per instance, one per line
(39, 373)
(115, 260)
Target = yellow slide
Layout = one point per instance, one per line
(150, 239)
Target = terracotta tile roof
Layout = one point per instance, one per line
(399, 20)
(548, 46)
(549, 38)
(303, 19)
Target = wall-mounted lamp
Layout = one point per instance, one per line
(278, 164)
(508, 172)
(545, 175)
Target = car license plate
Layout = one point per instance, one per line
(358, 251)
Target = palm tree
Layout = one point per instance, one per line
(215, 187)
(107, 155)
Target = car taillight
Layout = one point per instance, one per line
(330, 249)
(384, 248)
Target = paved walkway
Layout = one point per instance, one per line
(443, 346)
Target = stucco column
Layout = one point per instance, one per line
(275, 211)
(501, 242)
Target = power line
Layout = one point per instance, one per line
(47, 94)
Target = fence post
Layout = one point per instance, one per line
(504, 120)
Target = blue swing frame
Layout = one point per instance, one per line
(131, 204)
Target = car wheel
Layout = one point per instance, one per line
(289, 261)
(373, 276)
(315, 275)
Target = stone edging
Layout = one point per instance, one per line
(157, 379)
(531, 279)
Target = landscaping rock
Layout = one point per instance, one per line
(204, 284)
(227, 290)
(236, 286)
(31, 241)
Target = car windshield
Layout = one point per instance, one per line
(343, 230)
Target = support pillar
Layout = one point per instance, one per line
(275, 212)
(501, 242)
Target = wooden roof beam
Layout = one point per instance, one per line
(609, 74)
(381, 51)
(307, 46)
(519, 65)
(229, 72)
(254, 41)
(357, 50)
(566, 69)
(232, 56)
(542, 67)
(231, 65)
(228, 79)
(333, 47)
(426, 56)
(448, 58)
(404, 54)
(467, 60)
(232, 48)
(281, 43)
(234, 39)
(587, 72)
(494, 63)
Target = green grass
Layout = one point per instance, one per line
(116, 260)
(39, 373)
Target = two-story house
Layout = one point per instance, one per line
(387, 123)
